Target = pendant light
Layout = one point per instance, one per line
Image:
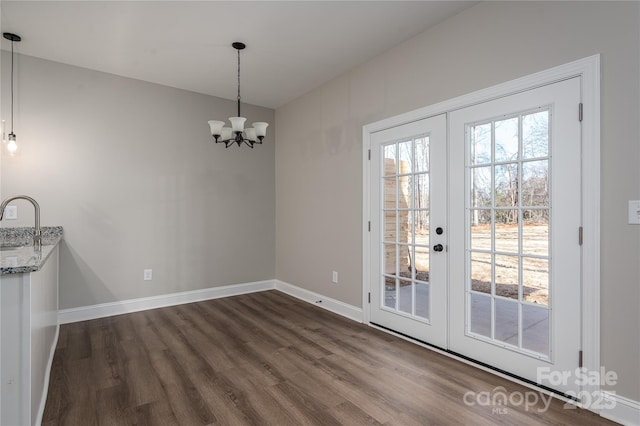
(237, 132)
(11, 145)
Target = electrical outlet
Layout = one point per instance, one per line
(148, 274)
(634, 212)
(334, 278)
(11, 212)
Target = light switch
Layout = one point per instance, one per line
(11, 212)
(634, 212)
(147, 274)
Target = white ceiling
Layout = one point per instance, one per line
(292, 46)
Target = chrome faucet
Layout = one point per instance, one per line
(37, 233)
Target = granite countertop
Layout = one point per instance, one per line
(17, 255)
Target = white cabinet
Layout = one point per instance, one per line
(29, 331)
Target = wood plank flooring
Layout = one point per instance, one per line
(265, 359)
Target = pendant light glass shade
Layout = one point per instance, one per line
(226, 133)
(250, 134)
(216, 127)
(261, 128)
(12, 147)
(237, 123)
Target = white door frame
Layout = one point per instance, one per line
(589, 71)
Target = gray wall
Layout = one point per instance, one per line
(319, 150)
(131, 172)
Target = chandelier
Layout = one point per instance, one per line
(237, 132)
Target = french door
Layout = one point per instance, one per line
(474, 241)
(409, 257)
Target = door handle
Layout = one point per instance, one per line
(438, 247)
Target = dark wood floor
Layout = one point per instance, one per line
(265, 358)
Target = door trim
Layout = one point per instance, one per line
(589, 71)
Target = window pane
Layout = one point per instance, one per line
(404, 226)
(506, 217)
(421, 191)
(422, 154)
(506, 268)
(481, 187)
(535, 280)
(535, 232)
(506, 321)
(405, 184)
(389, 153)
(405, 152)
(535, 328)
(481, 144)
(389, 193)
(422, 264)
(405, 255)
(481, 272)
(506, 231)
(480, 229)
(506, 140)
(405, 296)
(535, 135)
(535, 183)
(422, 300)
(390, 294)
(389, 259)
(506, 185)
(480, 314)
(389, 232)
(421, 221)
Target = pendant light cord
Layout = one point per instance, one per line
(12, 42)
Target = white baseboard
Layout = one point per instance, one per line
(352, 312)
(47, 375)
(102, 310)
(623, 410)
